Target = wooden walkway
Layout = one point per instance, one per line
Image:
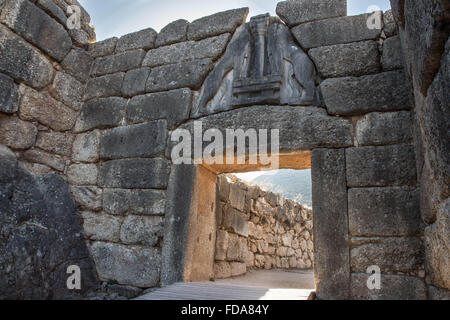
(214, 291)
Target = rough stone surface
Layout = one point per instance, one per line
(128, 265)
(86, 147)
(393, 211)
(55, 142)
(390, 254)
(392, 54)
(381, 166)
(147, 202)
(438, 293)
(172, 33)
(134, 173)
(187, 51)
(17, 134)
(393, 287)
(353, 59)
(38, 156)
(437, 244)
(101, 227)
(137, 141)
(68, 90)
(105, 86)
(355, 95)
(82, 174)
(134, 81)
(22, 62)
(216, 24)
(117, 63)
(144, 39)
(78, 64)
(103, 48)
(329, 190)
(377, 128)
(334, 31)
(100, 114)
(145, 231)
(87, 197)
(8, 95)
(173, 106)
(296, 12)
(390, 27)
(116, 201)
(37, 27)
(180, 75)
(33, 222)
(42, 107)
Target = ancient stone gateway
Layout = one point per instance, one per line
(105, 117)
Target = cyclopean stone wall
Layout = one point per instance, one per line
(259, 229)
(101, 116)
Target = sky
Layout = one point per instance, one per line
(114, 18)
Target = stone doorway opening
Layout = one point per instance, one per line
(242, 234)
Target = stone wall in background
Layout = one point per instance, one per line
(259, 229)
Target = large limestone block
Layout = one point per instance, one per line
(17, 134)
(144, 39)
(296, 12)
(105, 86)
(101, 227)
(8, 95)
(172, 33)
(117, 63)
(128, 265)
(147, 231)
(55, 142)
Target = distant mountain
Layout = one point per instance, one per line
(292, 184)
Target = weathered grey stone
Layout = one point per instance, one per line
(42, 107)
(389, 25)
(221, 245)
(352, 59)
(54, 10)
(68, 90)
(117, 63)
(295, 126)
(128, 292)
(392, 54)
(329, 191)
(37, 215)
(393, 211)
(134, 173)
(145, 231)
(137, 141)
(55, 142)
(438, 293)
(101, 113)
(386, 91)
(116, 201)
(296, 12)
(384, 128)
(178, 208)
(5, 152)
(8, 95)
(79, 37)
(82, 174)
(37, 27)
(216, 24)
(172, 33)
(390, 254)
(136, 266)
(134, 82)
(103, 48)
(393, 287)
(78, 64)
(381, 166)
(148, 202)
(101, 227)
(22, 62)
(17, 134)
(87, 197)
(437, 242)
(335, 31)
(180, 75)
(45, 158)
(105, 86)
(173, 106)
(86, 147)
(144, 39)
(187, 51)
